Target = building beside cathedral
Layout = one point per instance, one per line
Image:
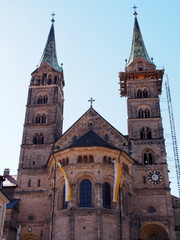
(146, 209)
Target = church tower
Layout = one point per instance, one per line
(44, 110)
(141, 83)
(42, 127)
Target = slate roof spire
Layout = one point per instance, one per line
(138, 47)
(49, 55)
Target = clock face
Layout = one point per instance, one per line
(155, 177)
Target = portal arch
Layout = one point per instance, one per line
(30, 236)
(153, 231)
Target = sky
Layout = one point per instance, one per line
(93, 39)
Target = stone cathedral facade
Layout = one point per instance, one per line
(146, 209)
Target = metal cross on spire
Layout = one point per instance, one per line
(135, 7)
(53, 14)
(91, 100)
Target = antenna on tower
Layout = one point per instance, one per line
(173, 132)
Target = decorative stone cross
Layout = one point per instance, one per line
(53, 14)
(91, 100)
(135, 7)
(135, 13)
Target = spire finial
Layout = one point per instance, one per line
(52, 20)
(135, 7)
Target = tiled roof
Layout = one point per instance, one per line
(91, 139)
(10, 181)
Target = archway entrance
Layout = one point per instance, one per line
(153, 232)
(29, 236)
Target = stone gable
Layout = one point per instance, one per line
(91, 120)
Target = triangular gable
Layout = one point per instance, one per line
(91, 120)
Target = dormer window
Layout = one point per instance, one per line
(140, 66)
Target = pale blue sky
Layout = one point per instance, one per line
(93, 39)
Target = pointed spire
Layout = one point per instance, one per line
(138, 47)
(49, 55)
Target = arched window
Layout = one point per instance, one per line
(32, 81)
(42, 99)
(142, 133)
(140, 113)
(79, 159)
(67, 161)
(144, 113)
(38, 82)
(37, 118)
(145, 93)
(148, 157)
(39, 183)
(106, 137)
(140, 66)
(109, 160)
(45, 99)
(55, 79)
(49, 80)
(38, 138)
(139, 94)
(90, 125)
(43, 118)
(85, 159)
(41, 138)
(105, 159)
(39, 100)
(65, 204)
(142, 93)
(74, 138)
(147, 113)
(64, 161)
(85, 193)
(148, 133)
(44, 77)
(29, 183)
(91, 159)
(106, 195)
(35, 139)
(40, 118)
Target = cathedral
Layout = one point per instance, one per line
(86, 154)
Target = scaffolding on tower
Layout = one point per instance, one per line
(173, 132)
